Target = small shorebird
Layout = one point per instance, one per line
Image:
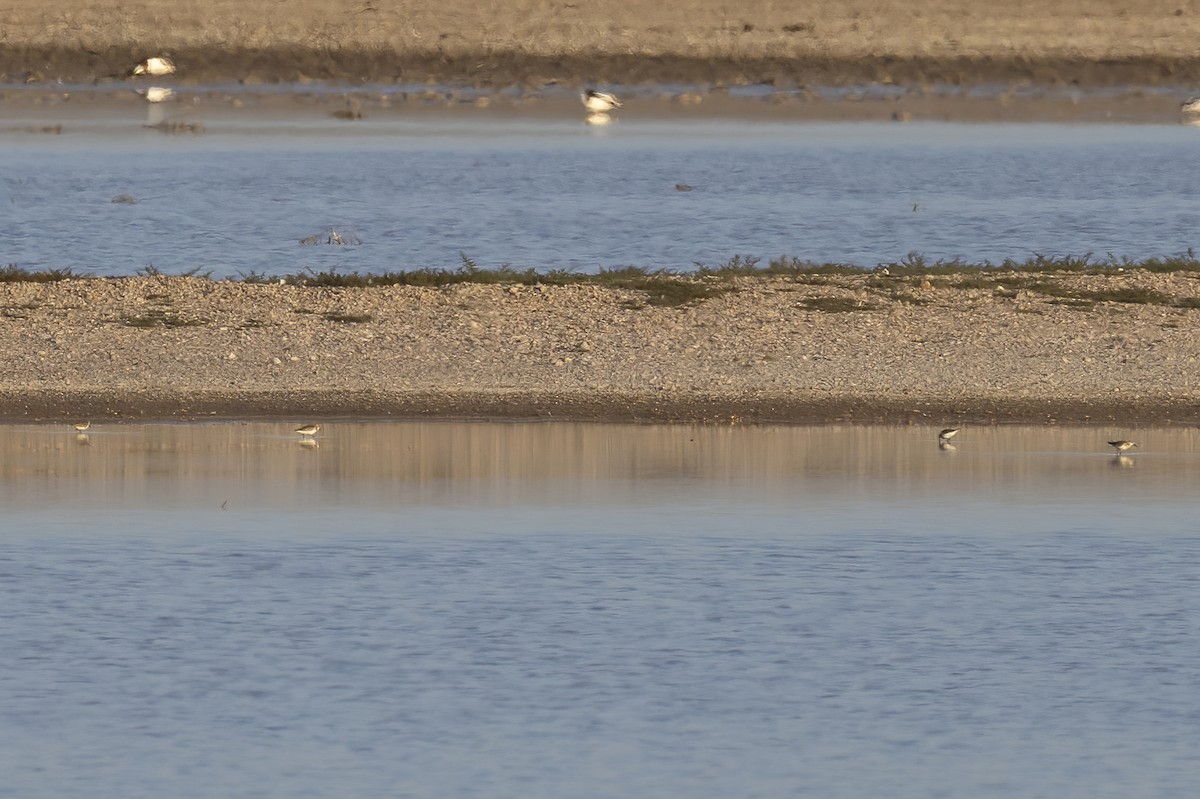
(155, 66)
(308, 429)
(1191, 106)
(157, 94)
(82, 426)
(947, 434)
(599, 102)
(1122, 445)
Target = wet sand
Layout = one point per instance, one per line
(867, 348)
(95, 110)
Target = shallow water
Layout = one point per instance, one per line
(585, 611)
(423, 191)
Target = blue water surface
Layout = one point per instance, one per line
(555, 194)
(484, 611)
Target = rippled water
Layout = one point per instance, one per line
(591, 611)
(421, 192)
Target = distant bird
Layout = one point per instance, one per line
(157, 94)
(308, 429)
(155, 66)
(947, 434)
(684, 187)
(599, 102)
(1122, 445)
(1191, 106)
(82, 426)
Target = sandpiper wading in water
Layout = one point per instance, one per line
(599, 102)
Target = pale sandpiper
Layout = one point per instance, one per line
(308, 429)
(82, 426)
(155, 66)
(947, 434)
(1122, 445)
(599, 102)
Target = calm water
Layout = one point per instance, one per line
(595, 611)
(557, 194)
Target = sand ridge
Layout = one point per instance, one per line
(532, 42)
(857, 348)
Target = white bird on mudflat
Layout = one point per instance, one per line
(156, 94)
(155, 66)
(599, 102)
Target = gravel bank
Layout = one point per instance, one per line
(854, 348)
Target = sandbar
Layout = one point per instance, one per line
(1111, 347)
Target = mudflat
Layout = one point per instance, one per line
(532, 42)
(940, 349)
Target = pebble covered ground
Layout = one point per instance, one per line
(1064, 347)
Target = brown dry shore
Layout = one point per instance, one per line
(534, 42)
(1065, 348)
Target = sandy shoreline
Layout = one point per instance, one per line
(626, 408)
(292, 64)
(518, 43)
(928, 60)
(866, 348)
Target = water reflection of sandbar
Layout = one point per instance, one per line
(379, 463)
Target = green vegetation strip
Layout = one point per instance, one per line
(668, 288)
